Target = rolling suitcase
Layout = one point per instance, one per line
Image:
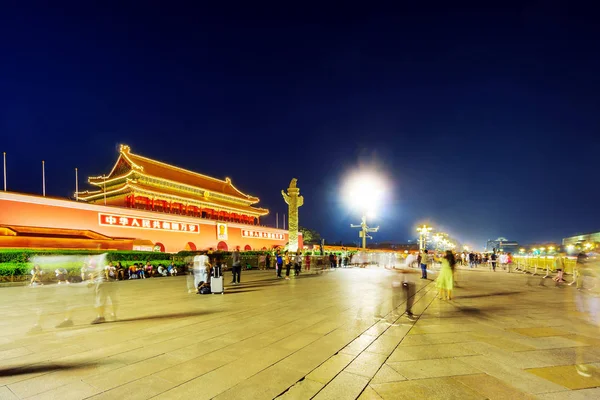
(216, 280)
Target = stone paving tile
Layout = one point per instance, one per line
(369, 394)
(76, 390)
(277, 376)
(435, 388)
(436, 338)
(569, 377)
(344, 386)
(330, 368)
(366, 364)
(432, 368)
(386, 375)
(583, 394)
(6, 394)
(143, 388)
(446, 350)
(492, 388)
(540, 332)
(520, 379)
(304, 389)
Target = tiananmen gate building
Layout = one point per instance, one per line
(142, 204)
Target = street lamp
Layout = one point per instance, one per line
(423, 233)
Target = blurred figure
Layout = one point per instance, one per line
(104, 290)
(559, 266)
(172, 269)
(445, 280)
(36, 276)
(120, 271)
(199, 273)
(61, 276)
(110, 272)
(307, 262)
(149, 270)
(578, 271)
(409, 261)
(162, 271)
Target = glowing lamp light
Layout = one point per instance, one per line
(587, 246)
(365, 192)
(570, 247)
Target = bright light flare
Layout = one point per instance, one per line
(365, 192)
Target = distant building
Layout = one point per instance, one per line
(502, 244)
(394, 246)
(581, 239)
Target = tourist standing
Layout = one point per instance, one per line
(279, 262)
(445, 280)
(424, 262)
(331, 260)
(288, 264)
(268, 261)
(493, 258)
(297, 263)
(307, 261)
(236, 266)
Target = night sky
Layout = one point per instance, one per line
(484, 122)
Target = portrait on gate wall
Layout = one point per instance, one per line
(221, 231)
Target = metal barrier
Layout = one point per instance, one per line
(542, 264)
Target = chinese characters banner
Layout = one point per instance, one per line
(127, 221)
(262, 235)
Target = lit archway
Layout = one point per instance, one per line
(247, 247)
(190, 246)
(222, 246)
(159, 247)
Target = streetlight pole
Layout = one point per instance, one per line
(423, 232)
(364, 231)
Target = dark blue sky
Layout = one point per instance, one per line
(484, 121)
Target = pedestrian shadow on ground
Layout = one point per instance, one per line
(36, 369)
(166, 316)
(472, 296)
(234, 291)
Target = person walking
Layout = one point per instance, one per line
(424, 262)
(236, 266)
(307, 262)
(559, 266)
(331, 260)
(268, 261)
(493, 259)
(445, 281)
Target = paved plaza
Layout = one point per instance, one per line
(341, 334)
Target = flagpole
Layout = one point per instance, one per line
(277, 220)
(44, 178)
(76, 186)
(104, 176)
(4, 154)
(284, 222)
